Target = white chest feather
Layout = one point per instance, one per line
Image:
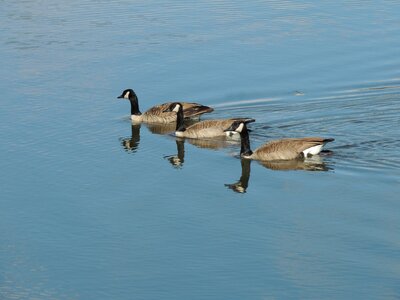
(136, 118)
(179, 133)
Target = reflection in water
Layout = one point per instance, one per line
(131, 144)
(161, 128)
(168, 128)
(213, 144)
(241, 185)
(314, 163)
(178, 159)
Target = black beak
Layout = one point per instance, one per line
(167, 110)
(122, 96)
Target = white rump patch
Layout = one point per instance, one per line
(313, 150)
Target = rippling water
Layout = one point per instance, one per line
(93, 207)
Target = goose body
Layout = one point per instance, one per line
(285, 149)
(288, 149)
(158, 113)
(203, 129)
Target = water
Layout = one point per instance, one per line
(95, 208)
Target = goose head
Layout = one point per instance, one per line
(128, 94)
(175, 107)
(236, 126)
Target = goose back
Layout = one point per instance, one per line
(210, 128)
(157, 113)
(287, 149)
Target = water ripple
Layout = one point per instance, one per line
(363, 120)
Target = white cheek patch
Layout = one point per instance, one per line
(240, 127)
(126, 96)
(233, 134)
(176, 109)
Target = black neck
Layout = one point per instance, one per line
(180, 146)
(245, 142)
(180, 120)
(244, 179)
(134, 105)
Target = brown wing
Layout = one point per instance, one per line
(207, 129)
(191, 110)
(287, 148)
(156, 114)
(158, 110)
(211, 128)
(209, 124)
(221, 124)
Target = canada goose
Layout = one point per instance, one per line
(285, 149)
(203, 129)
(157, 113)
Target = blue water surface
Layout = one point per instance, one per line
(93, 207)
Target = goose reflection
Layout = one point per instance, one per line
(314, 163)
(241, 185)
(213, 144)
(177, 160)
(161, 128)
(131, 144)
